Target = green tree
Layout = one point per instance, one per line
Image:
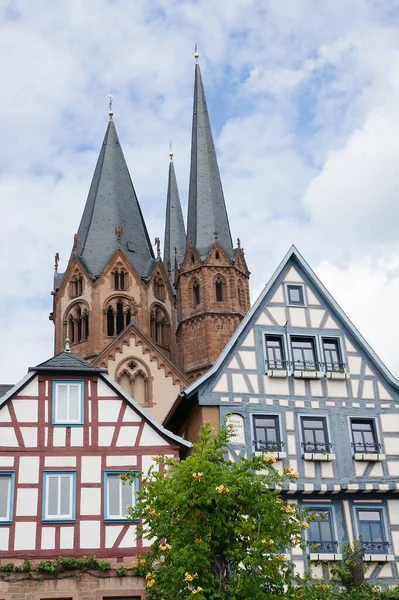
(219, 528)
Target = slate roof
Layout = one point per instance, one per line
(111, 203)
(4, 387)
(206, 206)
(175, 232)
(67, 361)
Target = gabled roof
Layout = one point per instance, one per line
(4, 388)
(111, 203)
(292, 254)
(206, 206)
(175, 232)
(72, 363)
(67, 361)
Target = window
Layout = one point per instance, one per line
(364, 436)
(6, 496)
(295, 295)
(160, 326)
(321, 535)
(119, 280)
(219, 290)
(314, 434)
(68, 402)
(159, 288)
(266, 433)
(196, 292)
(304, 353)
(275, 352)
(332, 355)
(59, 496)
(371, 531)
(118, 495)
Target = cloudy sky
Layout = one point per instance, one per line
(304, 101)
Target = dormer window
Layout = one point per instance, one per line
(295, 295)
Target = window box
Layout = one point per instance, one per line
(340, 375)
(319, 456)
(68, 403)
(307, 374)
(277, 455)
(277, 373)
(368, 456)
(320, 557)
(378, 558)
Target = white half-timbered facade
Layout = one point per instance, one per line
(300, 382)
(67, 431)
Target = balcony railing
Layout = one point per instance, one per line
(375, 547)
(268, 446)
(277, 365)
(367, 447)
(320, 547)
(319, 447)
(305, 365)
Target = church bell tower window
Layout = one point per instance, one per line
(196, 292)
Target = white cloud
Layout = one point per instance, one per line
(305, 105)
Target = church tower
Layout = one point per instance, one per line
(212, 279)
(115, 299)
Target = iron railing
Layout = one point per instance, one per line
(268, 446)
(367, 447)
(318, 447)
(325, 546)
(376, 547)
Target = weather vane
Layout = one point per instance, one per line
(110, 111)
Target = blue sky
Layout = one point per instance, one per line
(304, 102)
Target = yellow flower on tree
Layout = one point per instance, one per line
(188, 577)
(197, 590)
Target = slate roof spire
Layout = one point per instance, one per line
(111, 207)
(175, 232)
(206, 206)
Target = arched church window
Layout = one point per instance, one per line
(120, 279)
(160, 326)
(79, 325)
(128, 316)
(196, 292)
(217, 255)
(219, 290)
(120, 326)
(240, 292)
(110, 321)
(76, 286)
(71, 324)
(85, 320)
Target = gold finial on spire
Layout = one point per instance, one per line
(170, 151)
(196, 55)
(110, 111)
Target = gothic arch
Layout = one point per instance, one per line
(195, 286)
(220, 288)
(75, 285)
(159, 287)
(119, 311)
(160, 326)
(76, 321)
(120, 277)
(135, 378)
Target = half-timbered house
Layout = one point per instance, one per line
(300, 382)
(68, 432)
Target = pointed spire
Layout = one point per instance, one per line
(112, 206)
(206, 206)
(175, 233)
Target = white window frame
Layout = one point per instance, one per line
(287, 294)
(72, 500)
(10, 494)
(68, 422)
(134, 488)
